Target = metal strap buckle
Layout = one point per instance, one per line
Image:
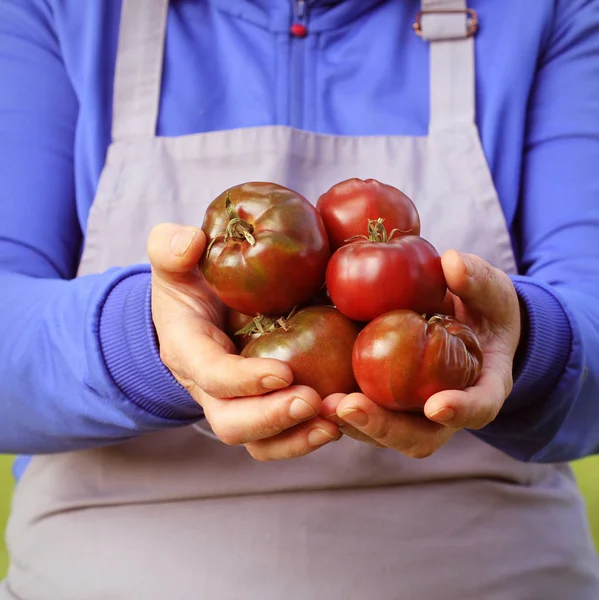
(471, 15)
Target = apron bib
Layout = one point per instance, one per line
(179, 514)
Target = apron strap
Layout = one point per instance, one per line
(138, 72)
(449, 27)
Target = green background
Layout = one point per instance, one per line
(587, 471)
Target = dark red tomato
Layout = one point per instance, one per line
(400, 359)
(367, 279)
(348, 206)
(236, 323)
(267, 249)
(317, 345)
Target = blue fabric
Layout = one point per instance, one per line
(78, 361)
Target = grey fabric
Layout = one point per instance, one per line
(137, 82)
(178, 514)
(452, 63)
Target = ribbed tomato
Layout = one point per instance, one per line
(316, 343)
(401, 359)
(368, 278)
(267, 249)
(349, 205)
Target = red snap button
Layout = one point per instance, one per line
(298, 30)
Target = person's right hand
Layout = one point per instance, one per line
(247, 401)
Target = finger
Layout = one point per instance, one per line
(412, 435)
(481, 286)
(245, 420)
(224, 375)
(329, 408)
(199, 355)
(475, 407)
(357, 435)
(329, 411)
(174, 251)
(296, 442)
(448, 307)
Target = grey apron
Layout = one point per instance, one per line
(177, 514)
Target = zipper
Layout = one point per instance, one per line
(298, 32)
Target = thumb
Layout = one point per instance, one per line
(481, 286)
(175, 250)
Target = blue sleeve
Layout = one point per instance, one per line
(79, 364)
(553, 413)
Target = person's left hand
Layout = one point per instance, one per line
(485, 299)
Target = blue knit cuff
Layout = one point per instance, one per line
(546, 346)
(130, 350)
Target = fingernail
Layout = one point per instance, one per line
(301, 410)
(443, 414)
(270, 382)
(181, 241)
(468, 264)
(354, 417)
(318, 437)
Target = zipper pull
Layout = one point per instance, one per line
(298, 27)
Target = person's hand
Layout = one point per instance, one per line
(485, 299)
(247, 401)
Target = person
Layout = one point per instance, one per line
(152, 455)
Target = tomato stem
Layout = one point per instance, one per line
(377, 232)
(229, 208)
(237, 229)
(261, 324)
(443, 320)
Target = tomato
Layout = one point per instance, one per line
(401, 359)
(242, 329)
(348, 206)
(316, 343)
(366, 279)
(267, 249)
